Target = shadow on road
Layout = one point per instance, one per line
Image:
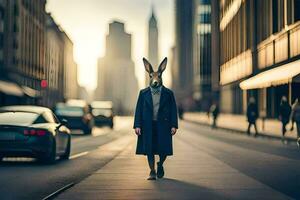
(177, 189)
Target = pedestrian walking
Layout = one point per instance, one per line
(284, 114)
(252, 115)
(155, 120)
(214, 110)
(296, 118)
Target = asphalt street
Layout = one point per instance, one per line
(268, 163)
(23, 178)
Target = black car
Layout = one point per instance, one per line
(77, 115)
(102, 112)
(33, 131)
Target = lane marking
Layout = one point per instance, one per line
(57, 192)
(79, 155)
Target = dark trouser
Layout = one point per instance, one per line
(249, 127)
(298, 129)
(151, 157)
(283, 130)
(214, 124)
(151, 160)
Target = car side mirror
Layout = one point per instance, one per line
(63, 122)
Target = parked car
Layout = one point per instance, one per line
(102, 112)
(33, 131)
(77, 114)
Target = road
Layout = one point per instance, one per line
(23, 178)
(267, 162)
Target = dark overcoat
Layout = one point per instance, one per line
(285, 112)
(252, 113)
(166, 119)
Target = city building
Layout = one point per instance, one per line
(54, 92)
(182, 81)
(260, 53)
(70, 69)
(202, 84)
(23, 49)
(152, 44)
(116, 73)
(10, 92)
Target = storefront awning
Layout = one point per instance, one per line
(277, 76)
(31, 92)
(10, 88)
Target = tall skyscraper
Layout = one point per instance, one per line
(183, 75)
(116, 74)
(202, 51)
(152, 43)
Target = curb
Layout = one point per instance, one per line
(261, 134)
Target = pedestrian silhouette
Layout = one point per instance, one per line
(252, 115)
(284, 114)
(214, 110)
(155, 120)
(296, 118)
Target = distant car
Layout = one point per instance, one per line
(77, 114)
(102, 112)
(33, 131)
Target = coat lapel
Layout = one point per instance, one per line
(148, 98)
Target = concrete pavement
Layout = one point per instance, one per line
(272, 127)
(190, 174)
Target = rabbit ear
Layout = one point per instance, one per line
(163, 65)
(147, 65)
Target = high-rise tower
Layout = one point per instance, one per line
(152, 43)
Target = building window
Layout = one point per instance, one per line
(16, 28)
(1, 40)
(1, 55)
(16, 10)
(2, 13)
(15, 44)
(296, 10)
(275, 16)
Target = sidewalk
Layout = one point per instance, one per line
(239, 123)
(187, 177)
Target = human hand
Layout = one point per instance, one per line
(173, 131)
(138, 131)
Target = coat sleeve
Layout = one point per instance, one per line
(138, 113)
(174, 117)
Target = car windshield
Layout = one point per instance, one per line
(18, 118)
(102, 111)
(69, 111)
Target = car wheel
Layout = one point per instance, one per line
(67, 151)
(51, 157)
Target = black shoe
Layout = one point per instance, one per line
(160, 170)
(152, 175)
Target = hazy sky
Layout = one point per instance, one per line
(86, 22)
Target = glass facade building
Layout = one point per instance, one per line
(202, 54)
(259, 43)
